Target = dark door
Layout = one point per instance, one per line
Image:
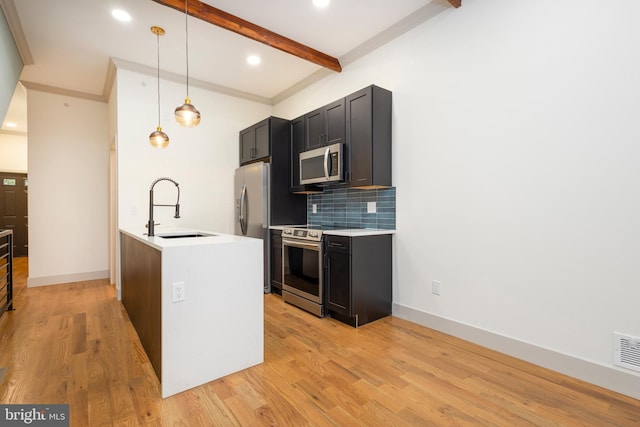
(13, 209)
(262, 148)
(360, 138)
(336, 126)
(338, 280)
(276, 261)
(315, 129)
(337, 263)
(247, 144)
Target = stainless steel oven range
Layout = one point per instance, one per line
(302, 254)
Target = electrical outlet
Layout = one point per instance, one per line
(371, 207)
(435, 287)
(178, 292)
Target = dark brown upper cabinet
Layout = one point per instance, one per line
(255, 142)
(298, 145)
(325, 126)
(368, 147)
(362, 122)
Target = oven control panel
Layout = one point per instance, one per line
(303, 234)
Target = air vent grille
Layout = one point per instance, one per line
(627, 351)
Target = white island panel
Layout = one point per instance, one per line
(218, 328)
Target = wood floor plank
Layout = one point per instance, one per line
(73, 343)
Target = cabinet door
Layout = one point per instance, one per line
(315, 129)
(261, 146)
(276, 261)
(338, 282)
(335, 131)
(369, 137)
(297, 146)
(247, 144)
(360, 138)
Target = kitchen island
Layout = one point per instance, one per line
(195, 302)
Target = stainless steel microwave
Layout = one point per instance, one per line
(322, 165)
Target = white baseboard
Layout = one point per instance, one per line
(67, 278)
(604, 376)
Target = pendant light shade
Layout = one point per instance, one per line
(157, 138)
(186, 114)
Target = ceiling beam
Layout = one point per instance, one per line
(230, 22)
(455, 3)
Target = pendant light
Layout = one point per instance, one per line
(158, 138)
(186, 114)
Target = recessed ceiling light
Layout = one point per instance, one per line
(321, 3)
(253, 59)
(121, 15)
(10, 125)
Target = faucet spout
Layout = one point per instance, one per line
(150, 223)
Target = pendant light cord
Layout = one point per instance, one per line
(186, 32)
(158, 45)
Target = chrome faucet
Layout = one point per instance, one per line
(150, 224)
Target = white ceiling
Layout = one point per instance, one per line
(71, 41)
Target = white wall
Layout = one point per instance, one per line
(515, 159)
(13, 153)
(68, 189)
(201, 159)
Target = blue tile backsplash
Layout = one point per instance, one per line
(347, 207)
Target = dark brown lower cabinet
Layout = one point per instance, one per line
(276, 262)
(357, 278)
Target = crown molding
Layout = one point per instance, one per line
(60, 91)
(12, 132)
(11, 14)
(179, 78)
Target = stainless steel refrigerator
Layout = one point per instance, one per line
(263, 198)
(251, 189)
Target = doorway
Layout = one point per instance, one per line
(13, 210)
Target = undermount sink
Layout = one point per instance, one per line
(185, 235)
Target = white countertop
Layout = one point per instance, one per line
(160, 243)
(349, 232)
(356, 232)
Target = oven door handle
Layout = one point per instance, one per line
(296, 244)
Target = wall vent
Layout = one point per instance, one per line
(626, 351)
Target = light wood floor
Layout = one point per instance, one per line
(74, 344)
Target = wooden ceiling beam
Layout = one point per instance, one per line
(455, 3)
(225, 20)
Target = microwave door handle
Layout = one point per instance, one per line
(327, 153)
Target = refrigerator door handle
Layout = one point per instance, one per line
(243, 206)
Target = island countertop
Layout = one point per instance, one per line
(161, 243)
